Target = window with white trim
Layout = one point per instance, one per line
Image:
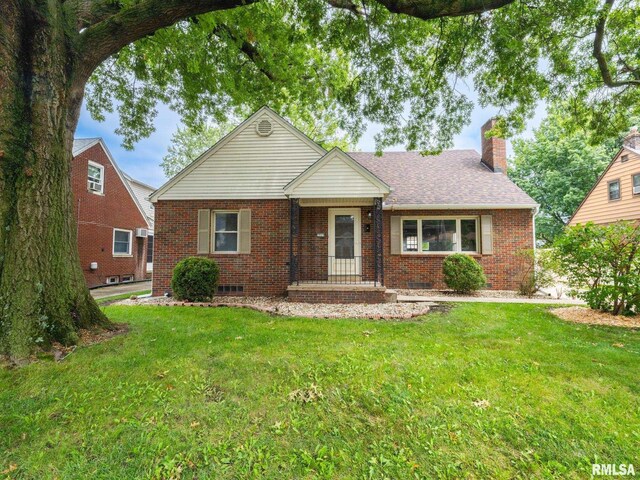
(225, 232)
(636, 183)
(121, 242)
(614, 190)
(95, 177)
(433, 235)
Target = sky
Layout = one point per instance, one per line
(143, 163)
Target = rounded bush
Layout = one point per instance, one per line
(462, 273)
(195, 279)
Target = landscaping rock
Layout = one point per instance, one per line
(280, 306)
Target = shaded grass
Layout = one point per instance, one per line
(206, 392)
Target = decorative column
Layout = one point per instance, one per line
(378, 248)
(294, 230)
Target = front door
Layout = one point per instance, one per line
(344, 242)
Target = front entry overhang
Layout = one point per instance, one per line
(336, 175)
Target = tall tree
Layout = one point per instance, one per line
(558, 167)
(355, 61)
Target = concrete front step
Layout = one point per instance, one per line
(340, 293)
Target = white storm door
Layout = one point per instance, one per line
(345, 255)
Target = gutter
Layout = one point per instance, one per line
(441, 206)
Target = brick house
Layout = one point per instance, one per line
(112, 225)
(281, 215)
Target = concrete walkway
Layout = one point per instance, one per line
(452, 298)
(103, 292)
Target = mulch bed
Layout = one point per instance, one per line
(88, 337)
(59, 352)
(595, 317)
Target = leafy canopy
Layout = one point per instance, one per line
(557, 168)
(362, 63)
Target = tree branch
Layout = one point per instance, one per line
(599, 54)
(248, 48)
(131, 23)
(429, 9)
(347, 5)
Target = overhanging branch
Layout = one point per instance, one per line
(428, 9)
(600, 56)
(246, 47)
(133, 22)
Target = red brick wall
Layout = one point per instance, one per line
(98, 215)
(337, 296)
(265, 270)
(512, 232)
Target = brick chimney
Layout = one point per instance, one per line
(632, 140)
(494, 149)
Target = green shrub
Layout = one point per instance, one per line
(195, 279)
(462, 273)
(535, 271)
(601, 264)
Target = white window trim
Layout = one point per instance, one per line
(458, 243)
(101, 167)
(113, 243)
(213, 233)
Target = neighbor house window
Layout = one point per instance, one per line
(121, 242)
(149, 248)
(440, 235)
(614, 190)
(225, 231)
(624, 158)
(636, 184)
(95, 178)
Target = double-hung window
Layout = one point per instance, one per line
(636, 183)
(95, 177)
(225, 232)
(614, 190)
(121, 242)
(440, 235)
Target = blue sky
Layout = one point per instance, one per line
(143, 162)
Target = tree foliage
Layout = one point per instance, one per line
(362, 63)
(601, 263)
(557, 168)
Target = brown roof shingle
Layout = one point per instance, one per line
(454, 177)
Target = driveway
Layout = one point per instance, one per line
(120, 289)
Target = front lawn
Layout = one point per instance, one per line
(484, 391)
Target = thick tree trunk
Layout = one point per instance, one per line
(43, 295)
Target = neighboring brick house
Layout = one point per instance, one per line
(142, 192)
(281, 215)
(112, 226)
(616, 194)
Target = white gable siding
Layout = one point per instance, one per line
(247, 165)
(336, 178)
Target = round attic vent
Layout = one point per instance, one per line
(264, 127)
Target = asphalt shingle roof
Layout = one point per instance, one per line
(80, 144)
(454, 177)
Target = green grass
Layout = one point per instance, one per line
(122, 296)
(196, 392)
